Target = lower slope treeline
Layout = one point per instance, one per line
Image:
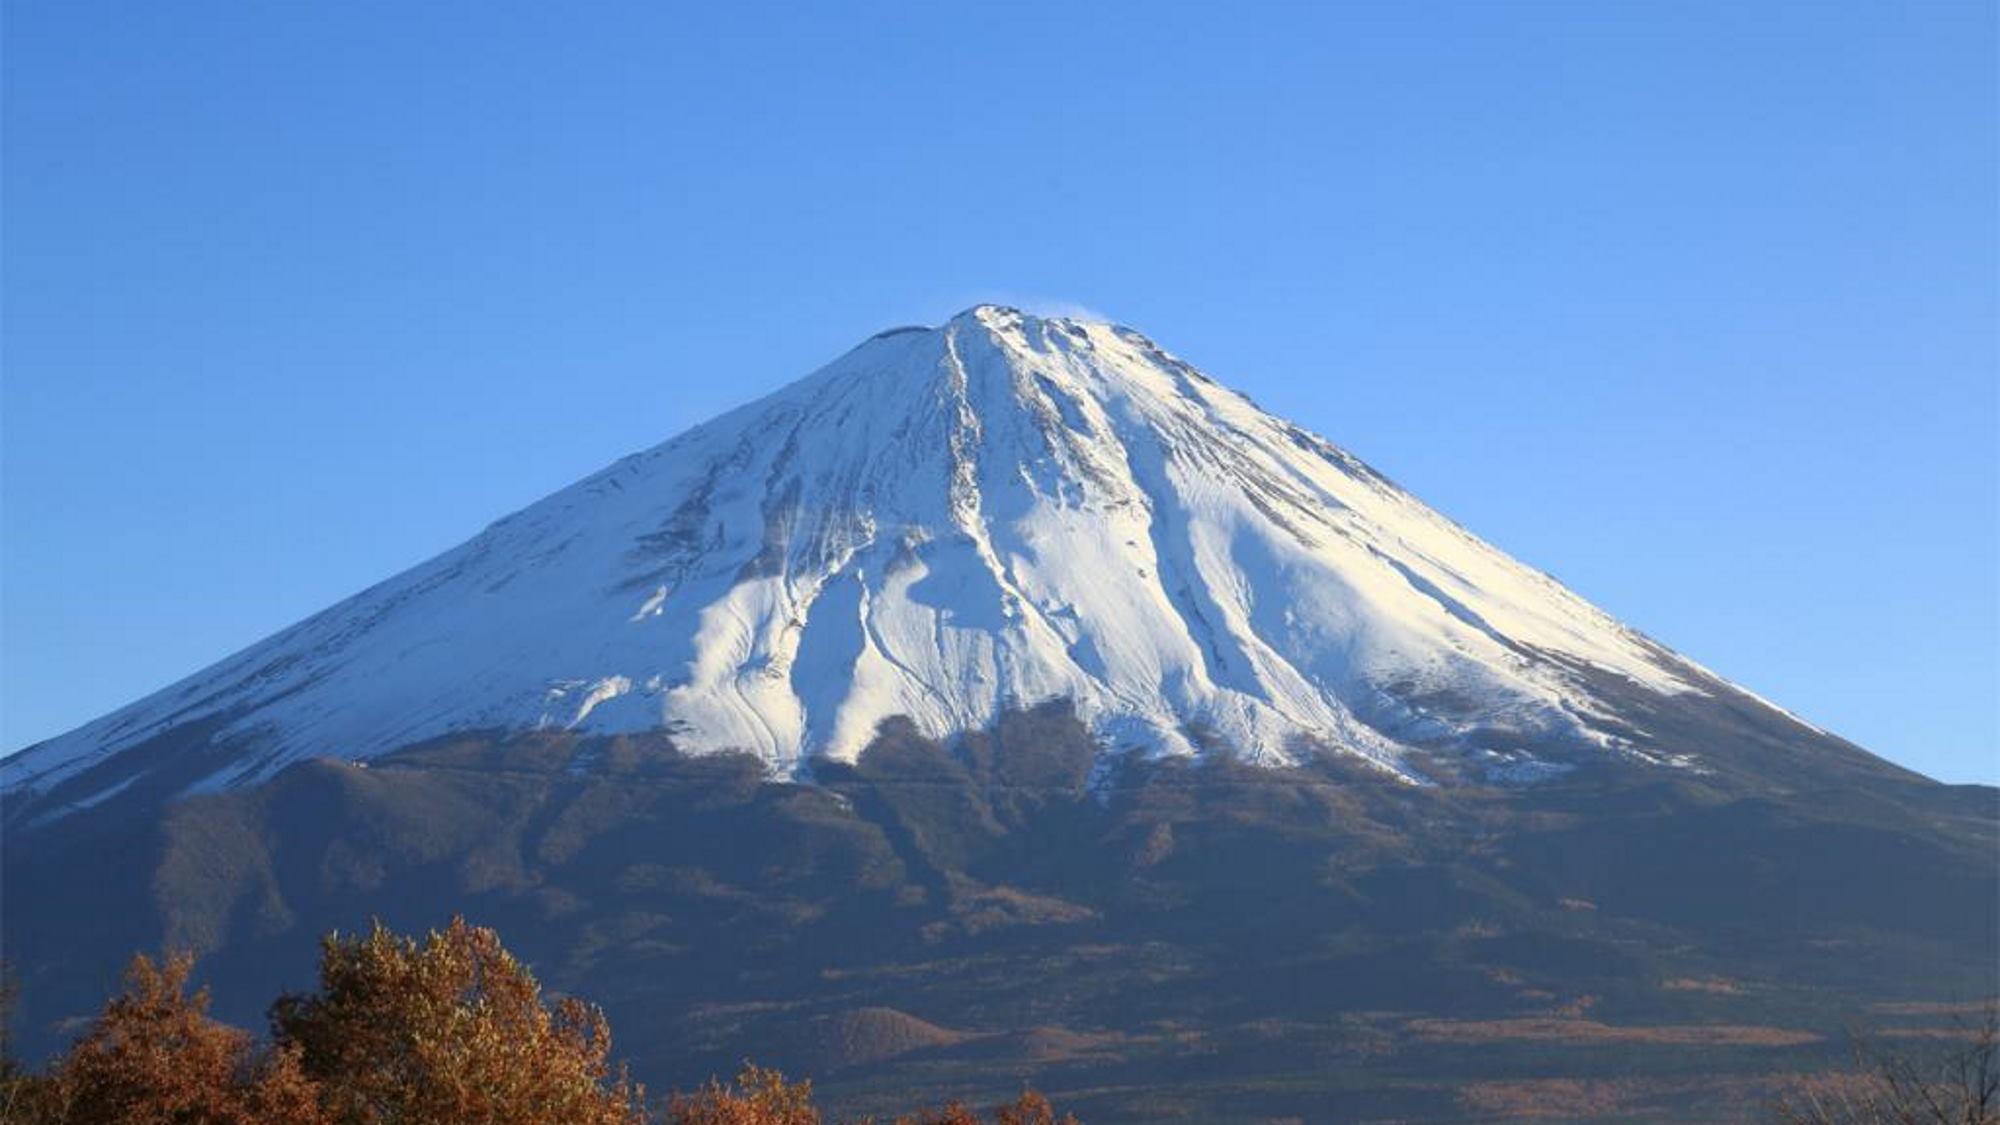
(1145, 940)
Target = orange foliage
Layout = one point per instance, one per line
(1030, 1108)
(450, 1031)
(760, 1096)
(153, 1057)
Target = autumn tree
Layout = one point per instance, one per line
(760, 1096)
(1029, 1108)
(447, 1030)
(452, 1030)
(153, 1057)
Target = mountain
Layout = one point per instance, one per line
(939, 524)
(1010, 699)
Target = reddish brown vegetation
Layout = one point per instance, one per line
(155, 1058)
(761, 1096)
(449, 1030)
(1958, 1085)
(1564, 1030)
(452, 1029)
(1637, 1098)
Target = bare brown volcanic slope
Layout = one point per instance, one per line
(1009, 699)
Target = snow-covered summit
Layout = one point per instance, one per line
(942, 523)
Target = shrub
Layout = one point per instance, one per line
(1030, 1108)
(1955, 1084)
(760, 1096)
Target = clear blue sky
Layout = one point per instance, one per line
(1691, 304)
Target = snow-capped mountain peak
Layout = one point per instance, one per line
(940, 524)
